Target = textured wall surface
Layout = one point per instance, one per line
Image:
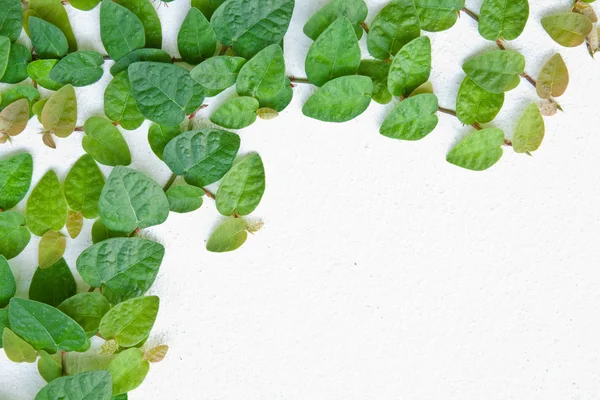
(382, 271)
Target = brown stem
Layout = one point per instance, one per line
(91, 289)
(365, 27)
(209, 194)
(223, 50)
(507, 142)
(471, 14)
(529, 79)
(78, 129)
(500, 44)
(299, 80)
(63, 362)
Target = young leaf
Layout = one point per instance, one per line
(44, 327)
(83, 186)
(120, 29)
(39, 71)
(49, 366)
(146, 12)
(52, 285)
(236, 113)
(11, 15)
(478, 151)
(119, 104)
(340, 100)
(81, 68)
(164, 92)
(354, 10)
(251, 25)
(156, 354)
(131, 200)
(267, 114)
(128, 370)
(396, 24)
(412, 119)
(105, 143)
(196, 39)
(530, 131)
(202, 157)
(568, 29)
(378, 71)
(130, 322)
(242, 187)
(59, 115)
(503, 19)
(217, 73)
(474, 104)
(553, 79)
(138, 56)
(87, 309)
(8, 285)
(101, 232)
(184, 198)
(160, 135)
(16, 349)
(496, 71)
(15, 179)
(438, 15)
(84, 5)
(52, 247)
(92, 385)
(14, 236)
(262, 76)
(208, 7)
(228, 236)
(74, 223)
(46, 206)
(47, 40)
(54, 12)
(411, 67)
(16, 68)
(335, 53)
(14, 118)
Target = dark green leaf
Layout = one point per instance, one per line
(46, 206)
(236, 113)
(3, 322)
(131, 321)
(217, 73)
(53, 285)
(87, 309)
(84, 5)
(8, 285)
(81, 68)
(263, 76)
(438, 15)
(39, 71)
(281, 100)
(47, 40)
(355, 10)
(92, 385)
(478, 151)
(119, 104)
(242, 187)
(120, 29)
(196, 39)
(412, 119)
(184, 198)
(15, 179)
(105, 143)
(396, 24)
(11, 19)
(146, 12)
(16, 69)
(228, 236)
(101, 232)
(83, 186)
(14, 236)
(4, 54)
(207, 7)
(378, 71)
(137, 56)
(54, 12)
(160, 135)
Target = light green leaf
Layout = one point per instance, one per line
(8, 285)
(354, 10)
(412, 119)
(496, 71)
(202, 157)
(83, 186)
(130, 322)
(207, 7)
(3, 322)
(105, 143)
(378, 71)
(39, 71)
(11, 19)
(251, 25)
(530, 131)
(553, 79)
(131, 200)
(335, 53)
(77, 363)
(84, 5)
(228, 236)
(475, 104)
(236, 113)
(81, 68)
(92, 385)
(395, 25)
(128, 371)
(87, 309)
(119, 104)
(217, 73)
(101, 232)
(46, 206)
(44, 327)
(14, 236)
(15, 179)
(4, 53)
(16, 69)
(438, 15)
(164, 92)
(503, 19)
(146, 12)
(242, 187)
(478, 151)
(160, 135)
(14, 118)
(52, 285)
(138, 56)
(54, 12)
(184, 198)
(340, 100)
(120, 29)
(568, 29)
(59, 115)
(263, 76)
(75, 223)
(281, 100)
(196, 39)
(47, 39)
(411, 67)
(49, 366)
(52, 247)
(16, 349)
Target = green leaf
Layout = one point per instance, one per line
(16, 349)
(146, 12)
(496, 71)
(4, 53)
(92, 385)
(378, 71)
(3, 322)
(14, 118)
(75, 222)
(411, 67)
(16, 69)
(11, 13)
(396, 24)
(44, 327)
(160, 135)
(15, 93)
(281, 100)
(217, 73)
(119, 104)
(568, 29)
(54, 12)
(47, 40)
(131, 200)
(53, 285)
(101, 232)
(39, 71)
(207, 7)
(438, 15)
(553, 79)
(340, 100)
(81, 68)
(46, 206)
(105, 143)
(124, 267)
(263, 76)
(128, 371)
(49, 366)
(52, 247)
(130, 322)
(354, 10)
(138, 56)
(164, 92)
(14, 236)
(15, 179)
(184, 198)
(251, 25)
(478, 151)
(335, 53)
(475, 104)
(59, 115)
(84, 5)
(242, 187)
(120, 29)
(8, 285)
(503, 19)
(228, 236)
(412, 119)
(87, 309)
(530, 130)
(196, 39)
(202, 157)
(83, 186)
(236, 113)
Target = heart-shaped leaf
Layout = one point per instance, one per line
(478, 151)
(91, 385)
(130, 322)
(47, 39)
(568, 29)
(159, 136)
(242, 187)
(8, 285)
(281, 100)
(105, 143)
(16, 349)
(15, 179)
(228, 236)
(184, 198)
(411, 67)
(49, 366)
(54, 12)
(378, 71)
(236, 113)
(101, 232)
(138, 56)
(553, 79)
(84, 5)
(16, 68)
(496, 71)
(121, 30)
(196, 39)
(87, 309)
(81, 68)
(503, 19)
(119, 104)
(208, 7)
(39, 71)
(475, 104)
(59, 115)
(14, 236)
(14, 118)
(128, 370)
(11, 15)
(438, 15)
(263, 76)
(530, 130)
(412, 119)
(83, 186)
(52, 247)
(53, 285)
(217, 73)
(354, 10)
(146, 12)
(46, 206)
(396, 24)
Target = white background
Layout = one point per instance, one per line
(382, 271)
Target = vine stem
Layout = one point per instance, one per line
(365, 27)
(471, 14)
(295, 79)
(63, 362)
(453, 113)
(170, 182)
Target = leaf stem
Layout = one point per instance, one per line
(471, 14)
(63, 362)
(365, 27)
(508, 142)
(209, 194)
(295, 79)
(529, 79)
(453, 113)
(170, 182)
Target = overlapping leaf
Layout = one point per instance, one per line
(568, 29)
(196, 39)
(128, 370)
(11, 17)
(14, 118)
(217, 73)
(146, 12)
(47, 39)
(438, 15)
(396, 24)
(503, 19)
(16, 68)
(378, 71)
(340, 100)
(236, 113)
(159, 136)
(54, 12)
(51, 249)
(16, 349)
(120, 29)
(131, 321)
(119, 104)
(354, 10)
(52, 285)
(411, 67)
(263, 76)
(496, 71)
(475, 104)
(8, 285)
(59, 115)
(14, 236)
(92, 385)
(87, 309)
(81, 68)
(105, 143)
(412, 119)
(139, 55)
(242, 187)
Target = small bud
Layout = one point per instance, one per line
(156, 354)
(267, 113)
(49, 140)
(109, 347)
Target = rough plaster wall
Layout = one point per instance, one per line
(382, 271)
